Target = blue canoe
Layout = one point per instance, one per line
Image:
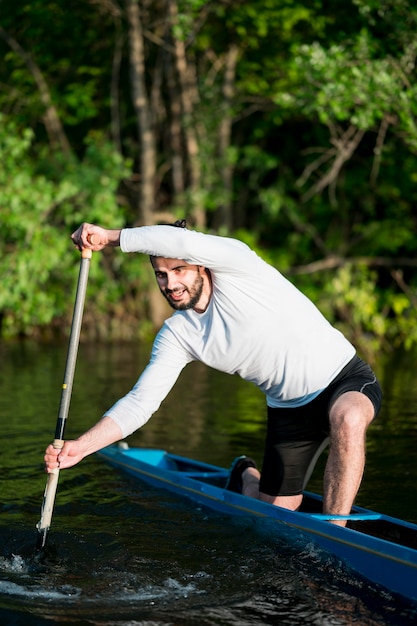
(379, 547)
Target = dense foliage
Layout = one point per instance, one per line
(291, 125)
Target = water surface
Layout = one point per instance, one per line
(120, 552)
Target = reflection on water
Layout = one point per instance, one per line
(120, 552)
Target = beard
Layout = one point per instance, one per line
(194, 292)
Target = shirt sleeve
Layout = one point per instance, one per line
(222, 254)
(167, 361)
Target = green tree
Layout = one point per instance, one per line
(292, 124)
(39, 208)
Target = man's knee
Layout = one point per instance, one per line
(351, 414)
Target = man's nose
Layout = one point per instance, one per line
(171, 281)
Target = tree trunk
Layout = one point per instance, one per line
(109, 7)
(224, 213)
(188, 97)
(175, 134)
(114, 88)
(143, 115)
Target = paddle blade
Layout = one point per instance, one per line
(47, 508)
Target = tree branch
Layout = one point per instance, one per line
(399, 279)
(382, 132)
(333, 262)
(344, 146)
(54, 128)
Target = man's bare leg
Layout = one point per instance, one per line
(349, 417)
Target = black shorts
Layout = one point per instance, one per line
(297, 436)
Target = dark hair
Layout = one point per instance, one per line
(179, 224)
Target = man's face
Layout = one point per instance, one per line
(180, 283)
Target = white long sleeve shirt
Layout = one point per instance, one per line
(257, 325)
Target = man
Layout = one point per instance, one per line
(237, 314)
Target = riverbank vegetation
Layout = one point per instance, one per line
(291, 125)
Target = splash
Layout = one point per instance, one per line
(19, 581)
(168, 590)
(12, 589)
(16, 565)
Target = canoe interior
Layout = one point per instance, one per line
(389, 531)
(380, 528)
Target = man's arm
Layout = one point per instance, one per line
(104, 433)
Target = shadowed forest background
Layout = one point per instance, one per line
(290, 125)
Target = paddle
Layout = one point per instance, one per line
(52, 481)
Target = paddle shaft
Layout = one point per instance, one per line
(52, 480)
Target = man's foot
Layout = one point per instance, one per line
(239, 465)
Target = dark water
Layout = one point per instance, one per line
(122, 553)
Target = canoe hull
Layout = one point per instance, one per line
(386, 562)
